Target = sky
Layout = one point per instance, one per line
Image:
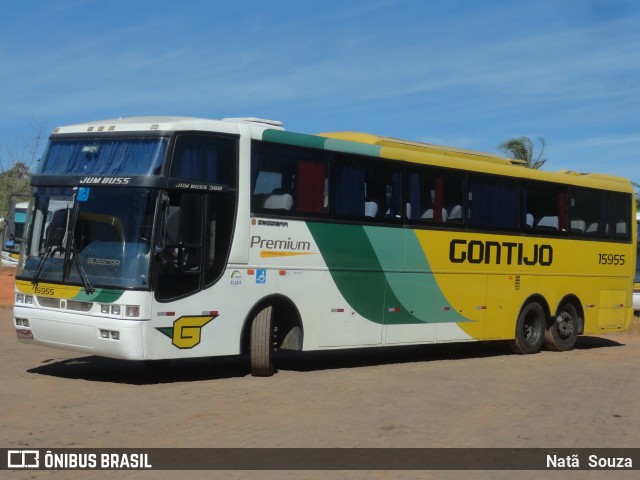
(464, 73)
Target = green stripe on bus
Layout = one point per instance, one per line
(367, 266)
(414, 285)
(102, 295)
(291, 138)
(316, 141)
(352, 147)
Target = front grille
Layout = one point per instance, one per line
(49, 302)
(79, 306)
(65, 304)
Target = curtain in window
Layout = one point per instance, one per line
(415, 205)
(438, 200)
(105, 157)
(396, 194)
(349, 191)
(196, 159)
(562, 211)
(310, 187)
(493, 205)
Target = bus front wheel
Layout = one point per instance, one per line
(530, 329)
(262, 343)
(563, 333)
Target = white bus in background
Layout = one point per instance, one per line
(14, 231)
(15, 228)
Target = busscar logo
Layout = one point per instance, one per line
(107, 262)
(23, 459)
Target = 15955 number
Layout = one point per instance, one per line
(610, 259)
(43, 290)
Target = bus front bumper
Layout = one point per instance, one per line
(106, 337)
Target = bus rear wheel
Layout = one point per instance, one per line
(563, 333)
(262, 343)
(530, 329)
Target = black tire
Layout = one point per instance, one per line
(563, 333)
(261, 346)
(530, 329)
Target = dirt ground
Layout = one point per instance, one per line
(470, 395)
(7, 280)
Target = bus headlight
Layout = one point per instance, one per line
(110, 309)
(24, 299)
(132, 311)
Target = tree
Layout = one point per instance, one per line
(636, 187)
(15, 167)
(521, 148)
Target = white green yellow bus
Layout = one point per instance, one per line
(188, 237)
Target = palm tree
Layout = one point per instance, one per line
(636, 187)
(521, 148)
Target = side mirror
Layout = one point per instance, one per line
(57, 228)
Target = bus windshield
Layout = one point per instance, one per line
(95, 237)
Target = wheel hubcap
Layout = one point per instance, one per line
(565, 325)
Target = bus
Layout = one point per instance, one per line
(636, 280)
(14, 229)
(186, 237)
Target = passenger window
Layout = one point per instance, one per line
(545, 208)
(435, 196)
(368, 189)
(493, 202)
(289, 180)
(621, 216)
(590, 208)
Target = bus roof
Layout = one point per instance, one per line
(420, 147)
(349, 141)
(493, 163)
(165, 123)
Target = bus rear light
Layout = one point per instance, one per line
(132, 311)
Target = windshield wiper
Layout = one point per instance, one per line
(71, 250)
(88, 288)
(49, 252)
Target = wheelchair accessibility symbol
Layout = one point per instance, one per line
(261, 276)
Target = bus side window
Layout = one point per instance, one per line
(349, 191)
(621, 216)
(435, 195)
(590, 208)
(367, 189)
(180, 257)
(493, 202)
(545, 207)
(288, 180)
